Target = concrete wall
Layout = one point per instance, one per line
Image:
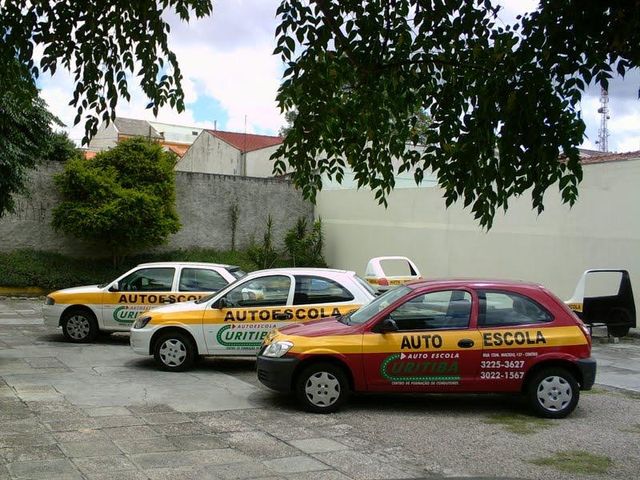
(203, 202)
(209, 154)
(602, 230)
(106, 137)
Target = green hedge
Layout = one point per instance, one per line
(52, 271)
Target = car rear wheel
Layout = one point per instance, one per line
(553, 393)
(174, 352)
(79, 325)
(322, 388)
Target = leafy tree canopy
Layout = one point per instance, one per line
(123, 199)
(60, 148)
(503, 101)
(103, 44)
(25, 131)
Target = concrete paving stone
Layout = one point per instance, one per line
(192, 428)
(242, 471)
(89, 449)
(23, 426)
(359, 465)
(165, 417)
(107, 411)
(317, 445)
(30, 453)
(219, 456)
(297, 464)
(4, 473)
(26, 440)
(45, 362)
(323, 475)
(216, 456)
(181, 473)
(122, 475)
(104, 464)
(40, 396)
(71, 424)
(224, 422)
(198, 442)
(149, 408)
(260, 445)
(26, 388)
(291, 432)
(85, 435)
(117, 421)
(49, 469)
(145, 445)
(130, 433)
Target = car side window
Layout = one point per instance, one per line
(314, 290)
(263, 292)
(446, 309)
(201, 280)
(502, 309)
(148, 280)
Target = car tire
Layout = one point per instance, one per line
(79, 325)
(553, 393)
(174, 352)
(322, 388)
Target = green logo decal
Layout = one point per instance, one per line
(395, 368)
(125, 314)
(229, 336)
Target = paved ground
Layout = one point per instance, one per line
(99, 411)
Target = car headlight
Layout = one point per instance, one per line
(277, 349)
(49, 301)
(141, 322)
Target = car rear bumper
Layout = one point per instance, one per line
(277, 373)
(587, 368)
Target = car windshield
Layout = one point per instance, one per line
(366, 312)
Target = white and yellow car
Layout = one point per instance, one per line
(386, 272)
(235, 320)
(83, 312)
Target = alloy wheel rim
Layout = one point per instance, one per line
(78, 327)
(173, 352)
(554, 393)
(322, 389)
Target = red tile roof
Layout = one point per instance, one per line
(246, 142)
(609, 157)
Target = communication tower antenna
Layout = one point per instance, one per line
(603, 132)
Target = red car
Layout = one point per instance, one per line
(448, 336)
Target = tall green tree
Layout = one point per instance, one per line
(25, 131)
(123, 199)
(503, 101)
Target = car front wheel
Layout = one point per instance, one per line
(174, 352)
(322, 388)
(553, 393)
(79, 326)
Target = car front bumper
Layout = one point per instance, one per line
(52, 314)
(277, 373)
(587, 367)
(140, 340)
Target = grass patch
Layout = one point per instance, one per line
(520, 424)
(53, 271)
(576, 461)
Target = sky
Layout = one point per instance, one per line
(231, 78)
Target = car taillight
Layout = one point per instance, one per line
(383, 282)
(585, 329)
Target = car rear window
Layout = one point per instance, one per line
(314, 290)
(201, 280)
(502, 309)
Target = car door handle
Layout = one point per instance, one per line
(282, 316)
(465, 343)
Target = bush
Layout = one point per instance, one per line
(304, 246)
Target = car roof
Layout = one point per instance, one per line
(187, 264)
(305, 271)
(472, 283)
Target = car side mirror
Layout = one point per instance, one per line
(115, 287)
(220, 303)
(387, 325)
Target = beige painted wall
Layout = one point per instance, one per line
(602, 230)
(259, 163)
(209, 154)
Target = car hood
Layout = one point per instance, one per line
(180, 307)
(75, 290)
(319, 328)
